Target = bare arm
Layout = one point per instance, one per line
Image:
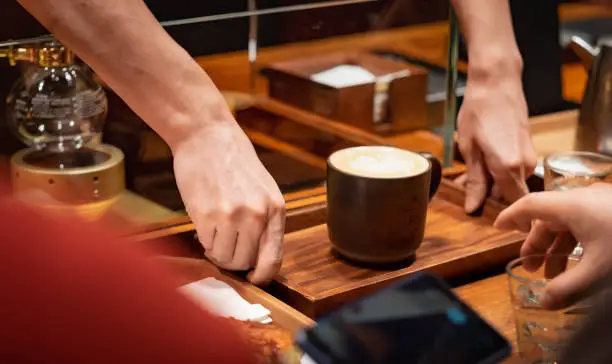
(487, 28)
(493, 124)
(235, 204)
(124, 43)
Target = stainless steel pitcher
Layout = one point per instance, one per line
(594, 131)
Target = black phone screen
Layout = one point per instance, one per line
(418, 320)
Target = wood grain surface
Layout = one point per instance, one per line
(315, 281)
(306, 209)
(283, 115)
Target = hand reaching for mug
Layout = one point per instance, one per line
(233, 201)
(235, 204)
(555, 221)
(494, 140)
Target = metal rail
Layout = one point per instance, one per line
(450, 107)
(211, 18)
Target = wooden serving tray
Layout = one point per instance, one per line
(314, 280)
(190, 270)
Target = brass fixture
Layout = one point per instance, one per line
(48, 54)
(88, 181)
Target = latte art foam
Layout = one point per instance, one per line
(379, 162)
(376, 164)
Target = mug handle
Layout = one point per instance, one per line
(436, 173)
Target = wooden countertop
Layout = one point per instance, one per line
(554, 132)
(490, 297)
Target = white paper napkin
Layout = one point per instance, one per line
(344, 76)
(221, 299)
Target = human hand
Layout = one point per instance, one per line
(555, 221)
(235, 204)
(494, 139)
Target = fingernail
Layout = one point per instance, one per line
(471, 203)
(250, 278)
(546, 301)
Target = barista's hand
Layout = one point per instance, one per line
(494, 138)
(236, 206)
(555, 221)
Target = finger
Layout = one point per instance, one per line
(570, 287)
(537, 243)
(530, 158)
(556, 262)
(551, 207)
(476, 185)
(496, 192)
(224, 243)
(461, 180)
(511, 182)
(205, 232)
(247, 245)
(600, 185)
(270, 249)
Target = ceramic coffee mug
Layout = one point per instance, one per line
(377, 200)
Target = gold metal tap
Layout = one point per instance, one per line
(47, 54)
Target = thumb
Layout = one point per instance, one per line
(570, 287)
(476, 183)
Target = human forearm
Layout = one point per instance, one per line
(123, 42)
(487, 28)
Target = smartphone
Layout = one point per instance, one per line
(417, 320)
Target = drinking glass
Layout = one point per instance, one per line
(574, 169)
(541, 334)
(569, 170)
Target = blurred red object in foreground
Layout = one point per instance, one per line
(73, 292)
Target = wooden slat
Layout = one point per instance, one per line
(415, 141)
(287, 149)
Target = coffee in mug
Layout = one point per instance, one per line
(377, 200)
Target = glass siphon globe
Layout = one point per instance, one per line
(57, 109)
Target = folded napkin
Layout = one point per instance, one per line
(221, 299)
(344, 76)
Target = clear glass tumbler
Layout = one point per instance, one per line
(541, 334)
(574, 169)
(569, 170)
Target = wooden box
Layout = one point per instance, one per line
(383, 106)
